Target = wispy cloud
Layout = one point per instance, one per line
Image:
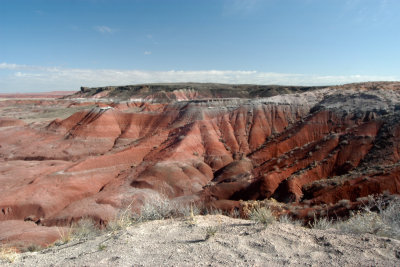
(12, 66)
(27, 75)
(104, 29)
(147, 53)
(7, 66)
(20, 78)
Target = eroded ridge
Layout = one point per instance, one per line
(301, 146)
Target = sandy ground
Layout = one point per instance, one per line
(236, 242)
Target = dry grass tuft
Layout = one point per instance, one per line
(123, 220)
(322, 223)
(191, 220)
(161, 207)
(262, 215)
(85, 228)
(156, 209)
(66, 235)
(31, 248)
(289, 220)
(379, 217)
(210, 232)
(8, 254)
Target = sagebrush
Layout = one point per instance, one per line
(378, 217)
(262, 215)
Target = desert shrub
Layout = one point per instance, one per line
(322, 223)
(391, 217)
(190, 219)
(358, 223)
(289, 220)
(85, 228)
(262, 215)
(234, 213)
(186, 210)
(378, 217)
(122, 220)
(157, 209)
(210, 232)
(8, 254)
(31, 248)
(65, 234)
(212, 211)
(101, 247)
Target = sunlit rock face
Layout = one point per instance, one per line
(309, 145)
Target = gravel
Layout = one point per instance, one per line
(217, 240)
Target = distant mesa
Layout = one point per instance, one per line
(166, 92)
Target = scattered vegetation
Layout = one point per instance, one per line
(378, 217)
(85, 228)
(212, 212)
(289, 220)
(210, 232)
(162, 208)
(101, 247)
(157, 209)
(121, 221)
(262, 215)
(32, 248)
(65, 234)
(191, 219)
(322, 223)
(8, 254)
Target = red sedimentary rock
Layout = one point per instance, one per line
(316, 147)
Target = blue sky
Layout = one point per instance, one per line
(60, 45)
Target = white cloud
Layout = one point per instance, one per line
(24, 78)
(104, 29)
(7, 66)
(27, 75)
(147, 53)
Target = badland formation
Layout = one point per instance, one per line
(307, 151)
